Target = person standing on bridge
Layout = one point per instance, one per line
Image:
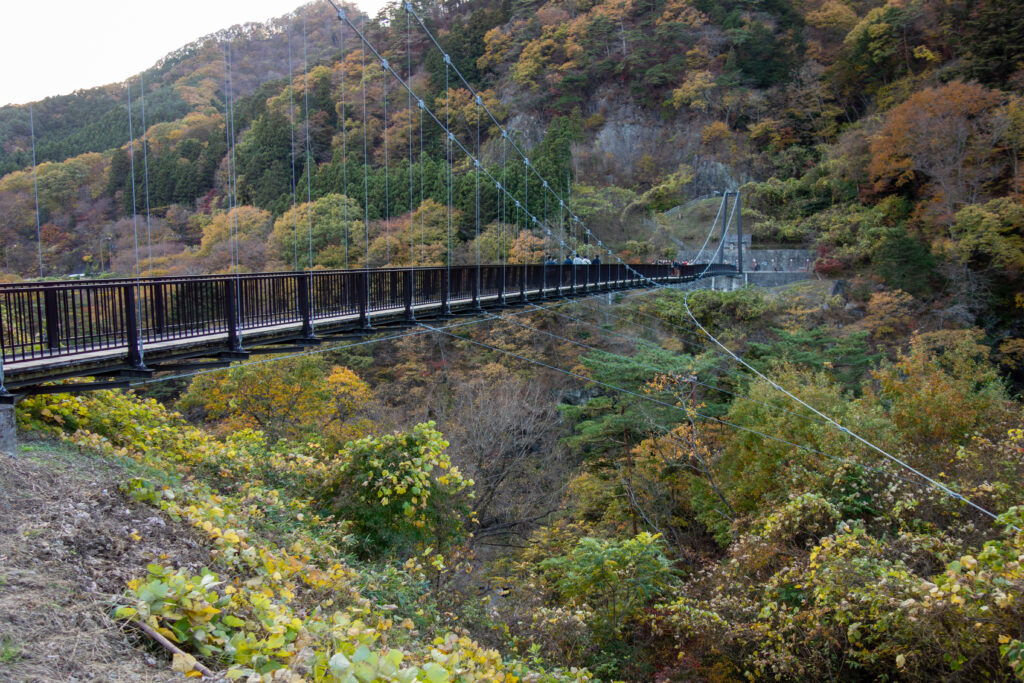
(596, 261)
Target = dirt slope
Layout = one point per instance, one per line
(66, 552)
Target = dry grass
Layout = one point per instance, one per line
(65, 556)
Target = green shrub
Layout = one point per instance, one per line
(401, 492)
(614, 577)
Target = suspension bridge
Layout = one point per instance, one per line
(122, 331)
(119, 331)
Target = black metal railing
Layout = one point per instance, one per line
(67, 319)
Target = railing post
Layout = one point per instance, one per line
(231, 314)
(407, 282)
(522, 282)
(52, 317)
(445, 286)
(131, 323)
(159, 309)
(363, 292)
(476, 289)
(305, 307)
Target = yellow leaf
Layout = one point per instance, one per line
(183, 663)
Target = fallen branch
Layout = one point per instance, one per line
(170, 647)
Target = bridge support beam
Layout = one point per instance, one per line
(8, 429)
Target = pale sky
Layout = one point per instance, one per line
(54, 47)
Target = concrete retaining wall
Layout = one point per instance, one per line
(758, 279)
(786, 259)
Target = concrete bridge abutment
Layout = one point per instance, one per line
(8, 428)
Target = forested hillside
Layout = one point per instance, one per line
(593, 490)
(886, 135)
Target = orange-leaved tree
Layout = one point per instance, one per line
(946, 136)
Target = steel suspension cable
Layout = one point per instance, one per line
(714, 224)
(35, 188)
(310, 167)
(234, 176)
(476, 198)
(657, 369)
(145, 170)
(709, 418)
(135, 232)
(387, 190)
(366, 162)
(131, 157)
(448, 165)
(526, 232)
(720, 252)
(408, 76)
(309, 157)
(365, 44)
(344, 143)
(938, 485)
(503, 257)
(575, 219)
(291, 135)
(423, 248)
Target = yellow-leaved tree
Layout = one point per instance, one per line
(289, 398)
